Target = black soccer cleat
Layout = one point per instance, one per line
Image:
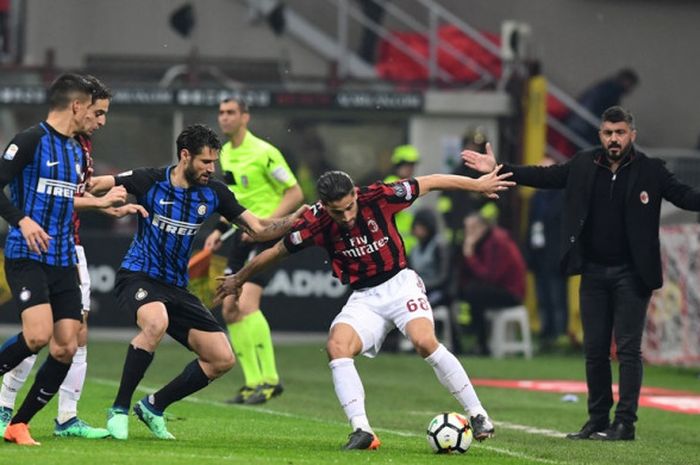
(359, 440)
(243, 394)
(482, 428)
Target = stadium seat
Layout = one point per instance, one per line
(505, 323)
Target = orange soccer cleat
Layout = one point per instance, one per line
(19, 434)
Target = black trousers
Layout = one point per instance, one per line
(613, 302)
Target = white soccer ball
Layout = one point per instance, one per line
(449, 432)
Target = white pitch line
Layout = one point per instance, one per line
(498, 450)
(512, 426)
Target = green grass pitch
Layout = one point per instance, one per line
(307, 426)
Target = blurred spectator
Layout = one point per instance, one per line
(544, 236)
(491, 271)
(456, 205)
(404, 161)
(601, 96)
(430, 257)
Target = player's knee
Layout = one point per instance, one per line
(220, 366)
(38, 340)
(337, 348)
(425, 344)
(64, 352)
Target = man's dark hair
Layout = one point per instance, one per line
(100, 90)
(242, 104)
(195, 137)
(66, 88)
(618, 114)
(334, 185)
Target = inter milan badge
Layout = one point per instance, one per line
(202, 209)
(644, 197)
(141, 294)
(372, 225)
(25, 294)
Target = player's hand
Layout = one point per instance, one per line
(128, 209)
(228, 285)
(492, 183)
(300, 211)
(245, 237)
(114, 197)
(213, 241)
(35, 236)
(481, 162)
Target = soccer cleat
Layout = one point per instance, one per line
(263, 393)
(618, 431)
(362, 440)
(5, 417)
(19, 434)
(77, 428)
(154, 420)
(242, 396)
(118, 423)
(482, 428)
(589, 429)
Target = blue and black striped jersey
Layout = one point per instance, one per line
(163, 242)
(43, 169)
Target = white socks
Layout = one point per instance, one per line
(451, 374)
(72, 387)
(13, 381)
(351, 394)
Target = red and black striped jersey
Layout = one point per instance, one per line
(373, 250)
(85, 175)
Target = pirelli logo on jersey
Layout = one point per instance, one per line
(362, 246)
(56, 188)
(175, 227)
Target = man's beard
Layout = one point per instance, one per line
(620, 154)
(191, 177)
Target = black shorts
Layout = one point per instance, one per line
(241, 252)
(34, 283)
(185, 311)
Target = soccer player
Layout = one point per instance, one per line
(152, 281)
(356, 227)
(43, 166)
(67, 421)
(258, 174)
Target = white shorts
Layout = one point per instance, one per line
(375, 311)
(84, 277)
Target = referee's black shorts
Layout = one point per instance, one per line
(34, 283)
(242, 251)
(185, 311)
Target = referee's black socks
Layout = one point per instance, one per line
(48, 380)
(12, 352)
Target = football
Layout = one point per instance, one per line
(449, 432)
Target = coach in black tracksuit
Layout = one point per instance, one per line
(610, 231)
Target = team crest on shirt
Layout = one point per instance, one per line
(141, 294)
(644, 197)
(202, 209)
(10, 152)
(373, 226)
(25, 294)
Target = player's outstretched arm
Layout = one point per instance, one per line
(481, 162)
(489, 184)
(114, 197)
(231, 285)
(100, 184)
(267, 229)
